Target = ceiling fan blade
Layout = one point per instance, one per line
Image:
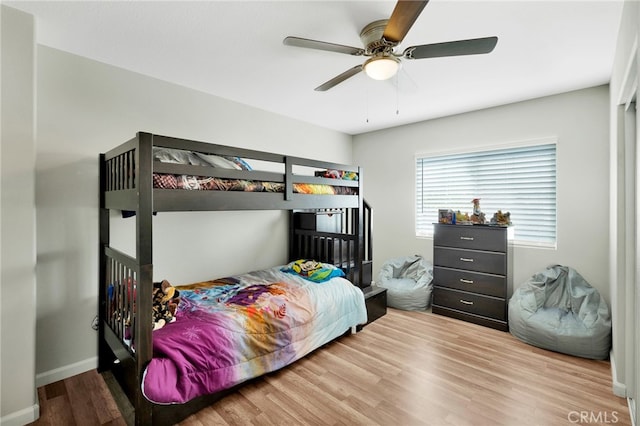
(322, 45)
(451, 48)
(402, 19)
(339, 79)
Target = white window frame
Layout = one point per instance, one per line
(424, 230)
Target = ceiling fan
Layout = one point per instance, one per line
(381, 37)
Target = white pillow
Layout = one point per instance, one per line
(177, 156)
(217, 161)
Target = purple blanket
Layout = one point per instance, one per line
(230, 330)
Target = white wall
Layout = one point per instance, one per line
(84, 108)
(580, 122)
(18, 400)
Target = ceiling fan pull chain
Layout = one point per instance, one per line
(366, 100)
(397, 94)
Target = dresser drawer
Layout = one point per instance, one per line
(487, 306)
(470, 237)
(475, 282)
(479, 261)
(501, 325)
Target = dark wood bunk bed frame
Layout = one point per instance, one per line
(126, 174)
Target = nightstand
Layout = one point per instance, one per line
(376, 300)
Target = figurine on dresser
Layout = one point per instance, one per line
(477, 216)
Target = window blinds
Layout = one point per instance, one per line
(520, 180)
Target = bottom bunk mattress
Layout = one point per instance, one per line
(229, 330)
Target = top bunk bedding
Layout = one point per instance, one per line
(212, 183)
(169, 166)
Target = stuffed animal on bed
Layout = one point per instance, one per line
(165, 303)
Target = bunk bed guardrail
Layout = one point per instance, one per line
(349, 249)
(125, 176)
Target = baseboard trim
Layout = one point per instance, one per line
(619, 389)
(632, 411)
(22, 417)
(66, 371)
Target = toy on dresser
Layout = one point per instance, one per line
(501, 219)
(477, 216)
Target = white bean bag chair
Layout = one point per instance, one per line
(408, 281)
(558, 310)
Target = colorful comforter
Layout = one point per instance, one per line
(208, 183)
(230, 330)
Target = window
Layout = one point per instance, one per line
(520, 180)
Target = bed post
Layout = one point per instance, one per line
(144, 256)
(360, 230)
(290, 251)
(105, 356)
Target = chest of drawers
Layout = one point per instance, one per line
(471, 274)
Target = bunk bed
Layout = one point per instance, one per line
(152, 173)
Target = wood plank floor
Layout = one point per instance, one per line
(407, 368)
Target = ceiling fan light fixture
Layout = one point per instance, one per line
(381, 67)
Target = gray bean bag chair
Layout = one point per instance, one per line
(408, 281)
(558, 310)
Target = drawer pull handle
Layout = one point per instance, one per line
(466, 302)
(462, 280)
(467, 238)
(466, 259)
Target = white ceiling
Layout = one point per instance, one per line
(233, 49)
